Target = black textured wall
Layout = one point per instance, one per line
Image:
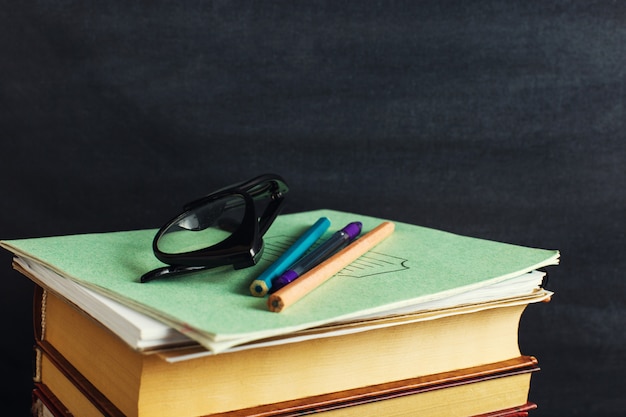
(497, 119)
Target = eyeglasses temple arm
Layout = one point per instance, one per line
(271, 212)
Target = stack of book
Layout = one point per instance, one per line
(425, 324)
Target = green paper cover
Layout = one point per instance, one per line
(414, 264)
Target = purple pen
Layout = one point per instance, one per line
(319, 254)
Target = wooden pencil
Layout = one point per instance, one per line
(310, 280)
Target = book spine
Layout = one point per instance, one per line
(43, 347)
(46, 404)
(39, 309)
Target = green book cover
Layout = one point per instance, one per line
(414, 264)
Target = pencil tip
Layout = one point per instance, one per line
(275, 304)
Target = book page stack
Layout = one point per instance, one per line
(424, 324)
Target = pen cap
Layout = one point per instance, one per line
(353, 229)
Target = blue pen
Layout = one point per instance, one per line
(263, 283)
(321, 253)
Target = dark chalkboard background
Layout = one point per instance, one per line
(497, 119)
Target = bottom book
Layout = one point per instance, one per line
(498, 389)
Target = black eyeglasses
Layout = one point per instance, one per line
(223, 228)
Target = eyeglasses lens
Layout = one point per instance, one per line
(203, 226)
